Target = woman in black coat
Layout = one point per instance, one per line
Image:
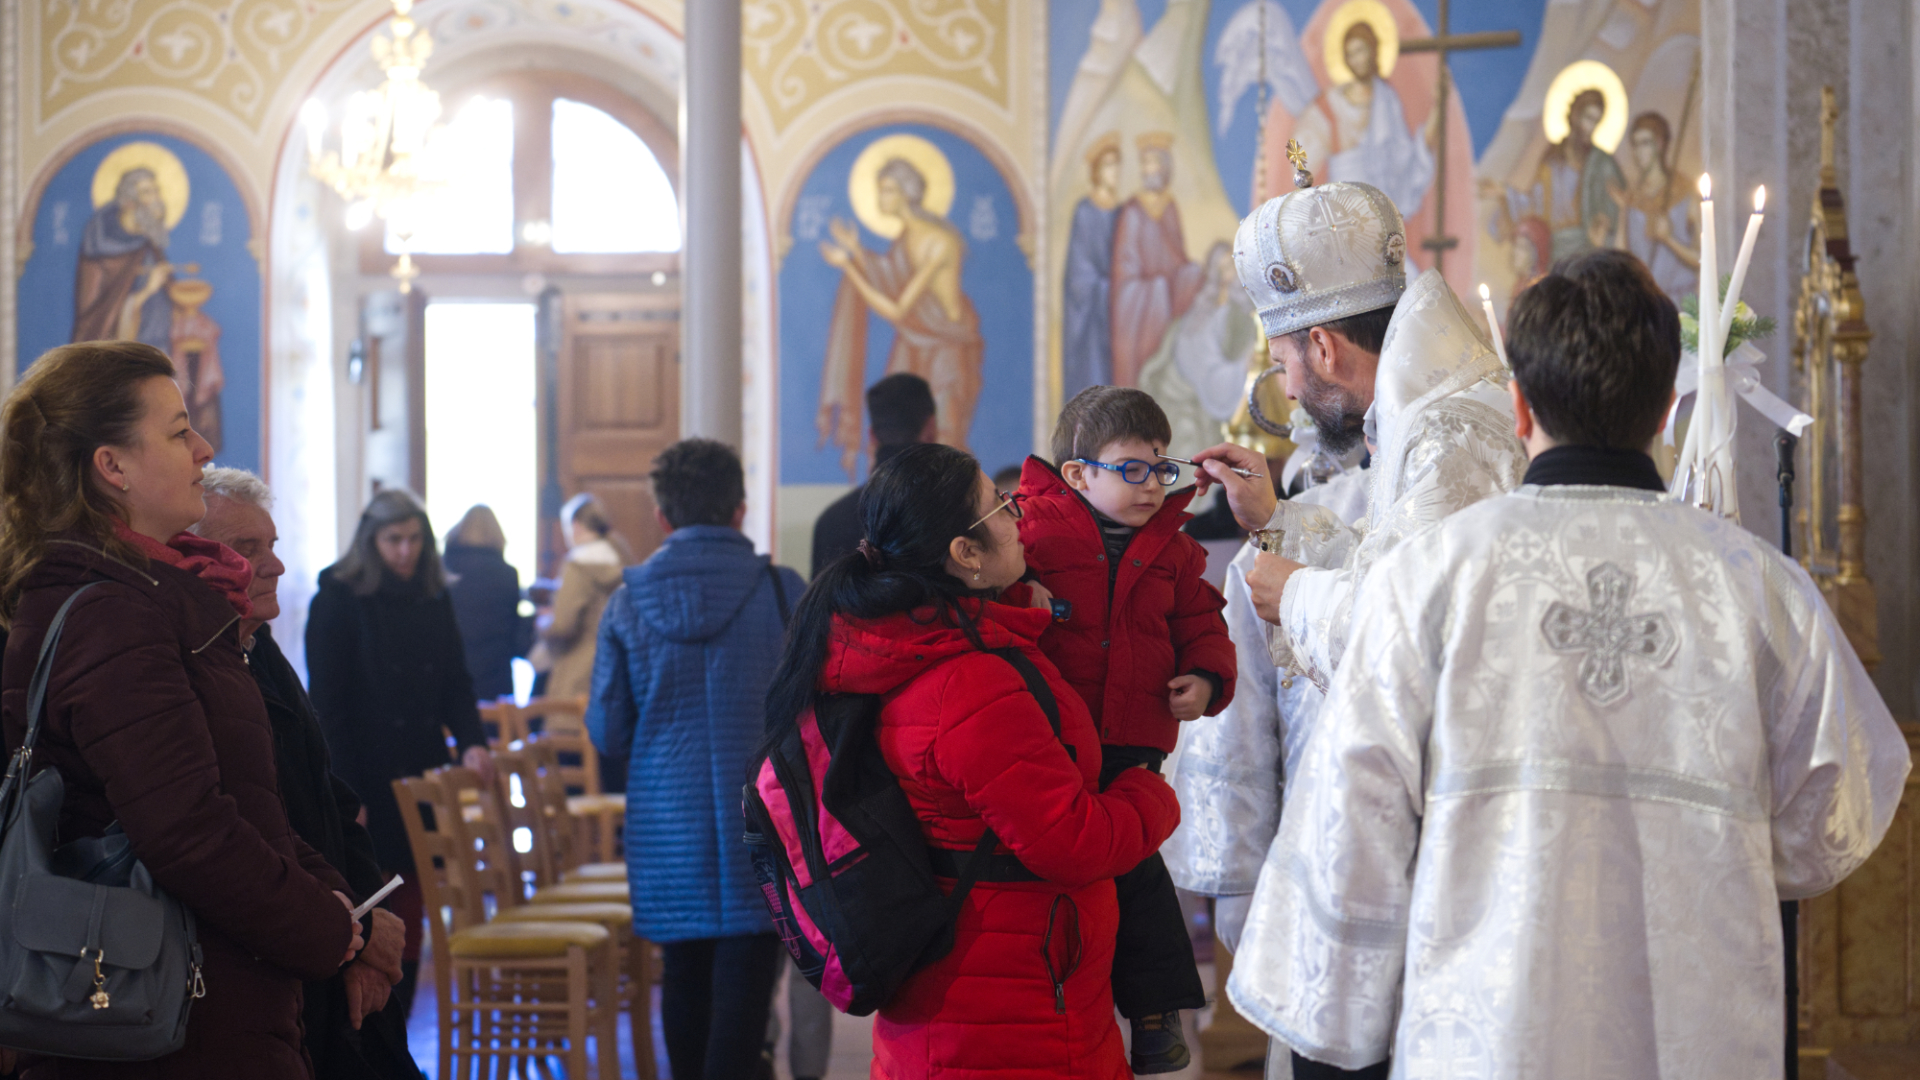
(486, 602)
(387, 672)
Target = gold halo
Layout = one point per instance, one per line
(1374, 14)
(915, 151)
(167, 172)
(1574, 79)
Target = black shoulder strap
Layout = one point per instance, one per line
(1036, 685)
(1043, 694)
(779, 592)
(21, 767)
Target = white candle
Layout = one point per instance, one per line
(1732, 302)
(1493, 325)
(1709, 320)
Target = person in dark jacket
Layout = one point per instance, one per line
(686, 647)
(152, 717)
(354, 1027)
(900, 413)
(388, 673)
(486, 602)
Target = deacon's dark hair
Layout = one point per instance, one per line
(913, 507)
(1595, 345)
(698, 482)
(1367, 330)
(1100, 415)
(898, 408)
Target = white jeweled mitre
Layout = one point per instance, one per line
(1321, 254)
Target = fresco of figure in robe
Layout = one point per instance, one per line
(1200, 373)
(126, 289)
(1086, 353)
(1578, 187)
(1659, 217)
(1153, 280)
(915, 286)
(1374, 120)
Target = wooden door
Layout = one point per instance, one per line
(617, 390)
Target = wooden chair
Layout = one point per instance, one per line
(569, 837)
(501, 721)
(508, 992)
(504, 847)
(561, 724)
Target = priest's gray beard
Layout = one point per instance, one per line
(1338, 413)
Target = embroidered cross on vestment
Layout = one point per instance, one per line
(1608, 634)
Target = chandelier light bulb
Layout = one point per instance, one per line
(359, 214)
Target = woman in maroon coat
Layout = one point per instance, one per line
(1025, 991)
(152, 717)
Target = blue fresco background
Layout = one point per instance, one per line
(1486, 80)
(215, 238)
(995, 276)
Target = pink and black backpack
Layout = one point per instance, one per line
(841, 861)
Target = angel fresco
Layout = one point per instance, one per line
(901, 187)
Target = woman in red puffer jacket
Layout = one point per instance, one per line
(911, 616)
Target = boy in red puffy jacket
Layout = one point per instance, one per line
(1138, 632)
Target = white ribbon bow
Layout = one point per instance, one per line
(1743, 378)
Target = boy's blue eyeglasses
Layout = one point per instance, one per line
(1135, 471)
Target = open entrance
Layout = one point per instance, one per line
(482, 428)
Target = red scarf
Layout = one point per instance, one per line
(225, 570)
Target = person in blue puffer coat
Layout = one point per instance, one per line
(687, 648)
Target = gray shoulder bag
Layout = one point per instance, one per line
(96, 961)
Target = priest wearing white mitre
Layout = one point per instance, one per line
(1365, 353)
(1583, 741)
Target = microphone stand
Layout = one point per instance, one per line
(1784, 444)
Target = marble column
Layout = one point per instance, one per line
(710, 403)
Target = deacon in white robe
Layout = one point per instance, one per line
(1583, 741)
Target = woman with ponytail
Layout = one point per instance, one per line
(152, 716)
(912, 616)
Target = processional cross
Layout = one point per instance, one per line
(1443, 43)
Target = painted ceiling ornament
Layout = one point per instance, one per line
(1319, 254)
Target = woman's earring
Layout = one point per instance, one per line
(126, 485)
(976, 575)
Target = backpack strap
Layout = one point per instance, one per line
(779, 592)
(21, 766)
(983, 859)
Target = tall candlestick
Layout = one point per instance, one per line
(1732, 302)
(1493, 325)
(1709, 320)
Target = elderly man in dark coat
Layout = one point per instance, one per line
(354, 1027)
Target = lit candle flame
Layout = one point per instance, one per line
(1485, 293)
(1759, 198)
(1706, 186)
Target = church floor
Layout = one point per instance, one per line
(852, 1039)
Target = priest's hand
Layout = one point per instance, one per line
(1267, 582)
(1252, 500)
